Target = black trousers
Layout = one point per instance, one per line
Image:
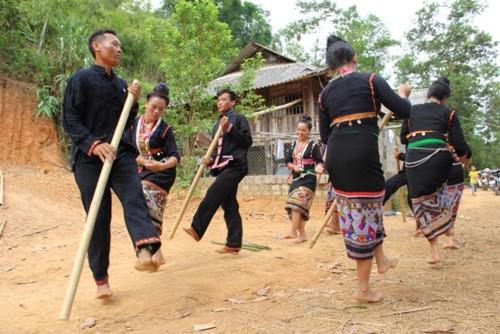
(125, 182)
(222, 193)
(395, 182)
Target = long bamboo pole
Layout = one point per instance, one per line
(93, 210)
(1, 188)
(400, 190)
(195, 182)
(328, 215)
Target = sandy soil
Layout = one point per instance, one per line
(289, 289)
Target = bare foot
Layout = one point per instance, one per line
(417, 233)
(228, 250)
(158, 257)
(386, 265)
(289, 236)
(145, 261)
(450, 245)
(434, 259)
(103, 291)
(435, 253)
(370, 296)
(301, 240)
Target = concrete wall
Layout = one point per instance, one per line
(265, 185)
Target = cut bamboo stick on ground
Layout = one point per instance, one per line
(247, 246)
(2, 227)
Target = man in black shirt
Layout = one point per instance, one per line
(92, 106)
(229, 164)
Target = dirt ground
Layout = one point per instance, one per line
(288, 289)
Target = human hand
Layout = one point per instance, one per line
(319, 169)
(404, 90)
(206, 161)
(105, 151)
(153, 165)
(135, 89)
(224, 123)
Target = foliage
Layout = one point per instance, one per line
(248, 100)
(247, 21)
(194, 45)
(445, 42)
(368, 35)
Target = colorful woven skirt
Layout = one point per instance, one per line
(361, 221)
(156, 199)
(300, 199)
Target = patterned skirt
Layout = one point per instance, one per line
(361, 221)
(428, 169)
(300, 199)
(156, 199)
(330, 198)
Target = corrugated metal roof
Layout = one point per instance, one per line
(250, 50)
(271, 75)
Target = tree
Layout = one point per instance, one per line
(195, 44)
(247, 21)
(369, 36)
(445, 42)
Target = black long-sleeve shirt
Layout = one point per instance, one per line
(92, 106)
(437, 121)
(235, 142)
(358, 92)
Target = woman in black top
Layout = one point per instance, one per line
(305, 161)
(429, 162)
(157, 157)
(349, 106)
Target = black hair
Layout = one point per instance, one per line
(439, 89)
(306, 119)
(231, 93)
(161, 91)
(98, 35)
(338, 52)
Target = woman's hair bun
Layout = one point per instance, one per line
(444, 80)
(162, 89)
(332, 39)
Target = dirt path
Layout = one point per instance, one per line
(290, 289)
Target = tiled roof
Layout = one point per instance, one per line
(272, 74)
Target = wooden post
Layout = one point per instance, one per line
(400, 190)
(195, 182)
(93, 210)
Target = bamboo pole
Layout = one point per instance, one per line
(328, 215)
(400, 191)
(1, 188)
(195, 182)
(93, 210)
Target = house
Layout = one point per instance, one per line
(290, 89)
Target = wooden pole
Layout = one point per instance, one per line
(93, 210)
(195, 182)
(328, 215)
(1, 188)
(400, 191)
